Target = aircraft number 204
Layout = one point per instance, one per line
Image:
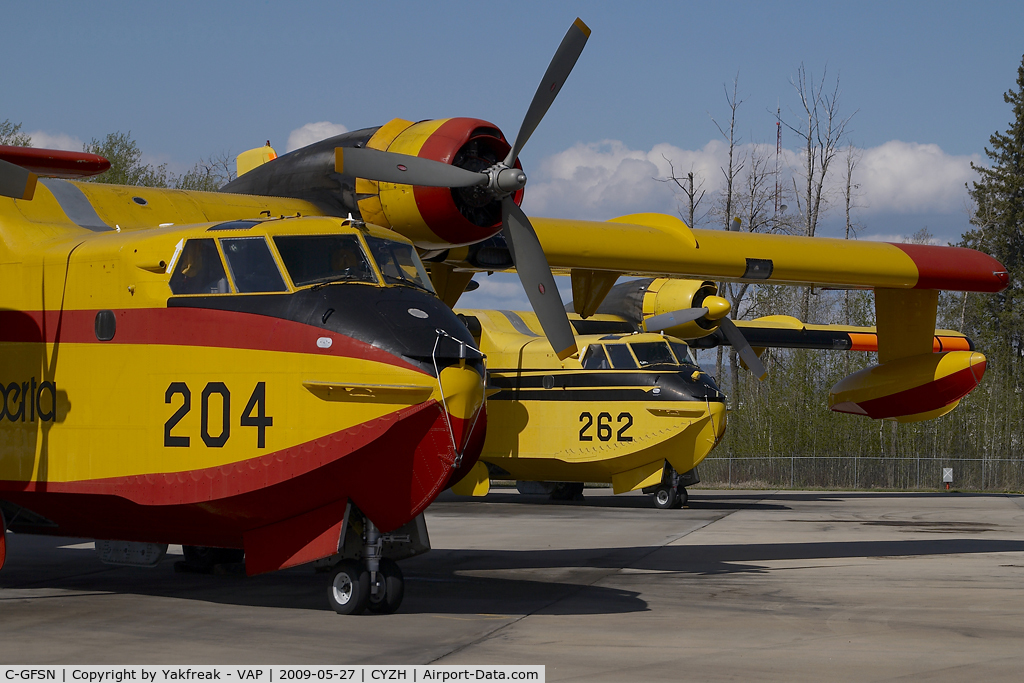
(257, 404)
(604, 426)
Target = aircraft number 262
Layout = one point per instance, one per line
(257, 403)
(604, 426)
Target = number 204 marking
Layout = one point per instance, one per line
(604, 427)
(257, 402)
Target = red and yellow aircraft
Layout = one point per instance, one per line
(251, 370)
(634, 409)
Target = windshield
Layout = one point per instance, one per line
(683, 353)
(653, 353)
(399, 263)
(312, 259)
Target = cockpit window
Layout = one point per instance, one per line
(251, 265)
(595, 358)
(653, 353)
(683, 353)
(620, 357)
(312, 259)
(399, 263)
(199, 270)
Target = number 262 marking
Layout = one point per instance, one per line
(257, 402)
(604, 427)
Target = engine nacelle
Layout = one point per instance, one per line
(432, 217)
(637, 300)
(437, 217)
(909, 389)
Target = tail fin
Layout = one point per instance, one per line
(250, 159)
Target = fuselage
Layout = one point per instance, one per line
(180, 368)
(616, 413)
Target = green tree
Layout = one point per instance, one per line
(998, 197)
(126, 167)
(10, 134)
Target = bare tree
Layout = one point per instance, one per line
(692, 186)
(731, 171)
(821, 134)
(849, 194)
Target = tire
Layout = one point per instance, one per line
(203, 559)
(348, 588)
(682, 497)
(665, 497)
(390, 589)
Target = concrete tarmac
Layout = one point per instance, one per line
(742, 585)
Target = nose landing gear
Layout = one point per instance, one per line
(365, 576)
(671, 493)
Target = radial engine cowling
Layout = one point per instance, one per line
(437, 217)
(910, 389)
(432, 217)
(638, 300)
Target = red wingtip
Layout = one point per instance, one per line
(55, 163)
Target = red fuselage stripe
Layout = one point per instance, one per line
(188, 327)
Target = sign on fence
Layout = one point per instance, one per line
(947, 475)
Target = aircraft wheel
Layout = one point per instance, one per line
(348, 589)
(665, 497)
(390, 588)
(682, 497)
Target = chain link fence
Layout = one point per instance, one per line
(850, 472)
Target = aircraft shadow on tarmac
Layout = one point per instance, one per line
(745, 502)
(450, 581)
(40, 565)
(704, 499)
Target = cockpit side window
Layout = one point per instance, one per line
(399, 263)
(199, 270)
(653, 353)
(595, 358)
(251, 265)
(683, 353)
(313, 259)
(620, 357)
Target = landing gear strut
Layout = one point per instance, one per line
(671, 493)
(366, 580)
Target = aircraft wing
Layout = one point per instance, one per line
(656, 244)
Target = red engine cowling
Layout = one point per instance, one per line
(437, 217)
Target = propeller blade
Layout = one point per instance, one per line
(664, 321)
(16, 182)
(739, 342)
(535, 274)
(391, 167)
(554, 78)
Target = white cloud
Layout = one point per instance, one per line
(55, 141)
(600, 180)
(504, 291)
(313, 132)
(907, 177)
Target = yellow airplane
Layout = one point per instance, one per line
(633, 409)
(132, 315)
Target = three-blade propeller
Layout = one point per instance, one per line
(716, 309)
(500, 180)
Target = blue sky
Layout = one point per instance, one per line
(923, 81)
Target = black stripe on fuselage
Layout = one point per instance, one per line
(671, 383)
